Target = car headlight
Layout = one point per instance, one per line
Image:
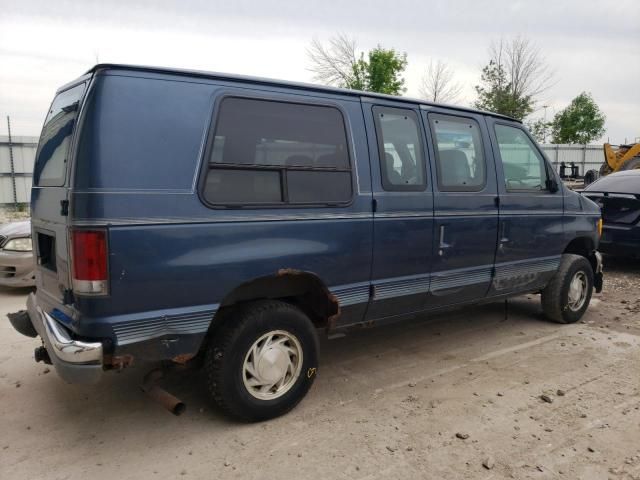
(19, 245)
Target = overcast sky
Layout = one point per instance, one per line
(592, 46)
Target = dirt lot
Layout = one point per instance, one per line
(387, 403)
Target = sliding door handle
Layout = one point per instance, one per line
(504, 234)
(442, 246)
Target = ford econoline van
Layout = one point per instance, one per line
(226, 221)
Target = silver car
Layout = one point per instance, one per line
(17, 267)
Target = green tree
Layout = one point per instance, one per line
(495, 93)
(338, 64)
(384, 71)
(581, 122)
(514, 77)
(539, 129)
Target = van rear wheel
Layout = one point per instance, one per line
(262, 361)
(567, 296)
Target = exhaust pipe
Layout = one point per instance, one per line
(160, 395)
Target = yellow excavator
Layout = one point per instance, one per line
(617, 158)
(622, 157)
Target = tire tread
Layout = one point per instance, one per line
(223, 341)
(553, 292)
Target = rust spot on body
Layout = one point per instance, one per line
(289, 271)
(119, 361)
(326, 305)
(332, 320)
(183, 358)
(362, 326)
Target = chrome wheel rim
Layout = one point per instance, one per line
(577, 291)
(272, 365)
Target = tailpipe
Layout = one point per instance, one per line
(159, 394)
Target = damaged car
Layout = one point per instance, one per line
(17, 267)
(618, 195)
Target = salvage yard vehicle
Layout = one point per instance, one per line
(182, 216)
(17, 266)
(617, 158)
(618, 195)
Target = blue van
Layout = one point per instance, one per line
(194, 217)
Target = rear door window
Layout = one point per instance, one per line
(57, 133)
(273, 152)
(401, 155)
(459, 153)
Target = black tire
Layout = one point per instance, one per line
(555, 296)
(605, 169)
(226, 352)
(590, 177)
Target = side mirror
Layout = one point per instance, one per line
(552, 185)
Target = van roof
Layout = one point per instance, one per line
(285, 83)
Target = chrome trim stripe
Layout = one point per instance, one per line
(535, 265)
(532, 213)
(524, 273)
(351, 294)
(582, 214)
(460, 278)
(222, 219)
(402, 214)
(398, 287)
(180, 324)
(467, 213)
(314, 216)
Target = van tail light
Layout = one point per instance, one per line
(89, 259)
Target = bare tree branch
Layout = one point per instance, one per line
(526, 70)
(334, 64)
(438, 85)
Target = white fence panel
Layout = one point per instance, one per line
(24, 154)
(585, 157)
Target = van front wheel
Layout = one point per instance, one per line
(262, 361)
(567, 296)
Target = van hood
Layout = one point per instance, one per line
(589, 205)
(16, 229)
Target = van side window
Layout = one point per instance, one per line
(50, 165)
(402, 164)
(459, 153)
(523, 165)
(271, 152)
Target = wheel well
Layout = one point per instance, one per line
(585, 247)
(580, 246)
(302, 289)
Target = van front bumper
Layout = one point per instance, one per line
(75, 361)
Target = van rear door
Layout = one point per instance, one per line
(50, 192)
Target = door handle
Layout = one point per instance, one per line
(503, 234)
(442, 246)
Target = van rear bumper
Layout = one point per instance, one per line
(75, 361)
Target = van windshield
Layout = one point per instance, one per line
(51, 160)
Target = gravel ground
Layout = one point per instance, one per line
(468, 394)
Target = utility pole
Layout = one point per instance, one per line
(544, 131)
(12, 166)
